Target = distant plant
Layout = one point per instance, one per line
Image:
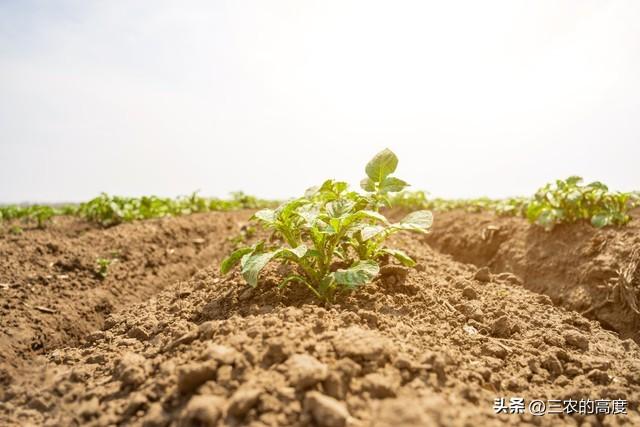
(333, 238)
(16, 230)
(567, 201)
(102, 266)
(246, 233)
(41, 214)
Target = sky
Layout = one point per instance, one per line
(490, 98)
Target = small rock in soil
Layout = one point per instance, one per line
(599, 377)
(356, 342)
(203, 411)
(493, 349)
(380, 386)
(501, 327)
(305, 371)
(138, 333)
(326, 411)
(220, 353)
(483, 275)
(193, 375)
(278, 350)
(336, 385)
(552, 364)
(156, 417)
(469, 293)
(576, 339)
(242, 401)
(130, 369)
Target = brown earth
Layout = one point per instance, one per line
(430, 346)
(594, 272)
(52, 295)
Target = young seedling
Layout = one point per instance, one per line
(333, 237)
(102, 266)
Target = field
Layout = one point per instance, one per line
(132, 322)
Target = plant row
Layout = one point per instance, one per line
(110, 210)
(563, 201)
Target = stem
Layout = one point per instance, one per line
(313, 290)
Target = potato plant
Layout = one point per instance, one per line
(332, 237)
(569, 201)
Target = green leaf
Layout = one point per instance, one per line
(339, 208)
(404, 259)
(369, 231)
(391, 184)
(600, 220)
(419, 221)
(285, 210)
(366, 214)
(333, 188)
(253, 264)
(309, 213)
(382, 165)
(266, 215)
(297, 252)
(358, 274)
(368, 185)
(234, 258)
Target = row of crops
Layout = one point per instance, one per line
(564, 201)
(111, 210)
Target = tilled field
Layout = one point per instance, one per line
(435, 345)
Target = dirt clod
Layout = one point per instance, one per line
(192, 375)
(380, 386)
(242, 401)
(130, 369)
(576, 339)
(470, 293)
(326, 411)
(357, 343)
(501, 327)
(305, 371)
(204, 411)
(483, 275)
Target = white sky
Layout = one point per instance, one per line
(270, 97)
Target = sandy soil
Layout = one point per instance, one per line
(435, 345)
